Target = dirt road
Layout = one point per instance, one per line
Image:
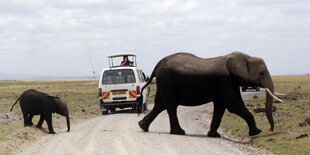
(119, 134)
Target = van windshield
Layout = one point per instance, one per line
(119, 76)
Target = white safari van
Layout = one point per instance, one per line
(120, 85)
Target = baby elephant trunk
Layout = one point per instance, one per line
(68, 122)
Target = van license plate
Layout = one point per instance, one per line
(119, 92)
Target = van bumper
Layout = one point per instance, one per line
(119, 104)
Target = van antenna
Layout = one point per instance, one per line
(90, 56)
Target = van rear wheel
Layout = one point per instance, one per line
(104, 111)
(112, 109)
(140, 109)
(134, 107)
(145, 106)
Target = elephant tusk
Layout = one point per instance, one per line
(270, 93)
(279, 94)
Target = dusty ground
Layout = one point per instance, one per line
(119, 134)
(9, 116)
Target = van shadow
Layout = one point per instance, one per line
(126, 111)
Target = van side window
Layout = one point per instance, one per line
(140, 76)
(144, 77)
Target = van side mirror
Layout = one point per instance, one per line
(147, 79)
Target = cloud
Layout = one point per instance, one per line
(57, 32)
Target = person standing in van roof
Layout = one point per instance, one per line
(126, 61)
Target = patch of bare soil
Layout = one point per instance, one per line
(10, 116)
(293, 96)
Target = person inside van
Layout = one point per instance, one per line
(126, 61)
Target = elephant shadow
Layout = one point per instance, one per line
(43, 130)
(248, 141)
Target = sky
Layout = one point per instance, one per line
(74, 37)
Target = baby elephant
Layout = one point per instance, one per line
(33, 102)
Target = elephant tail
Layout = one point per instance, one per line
(15, 103)
(147, 83)
(151, 77)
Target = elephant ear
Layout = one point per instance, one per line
(54, 103)
(238, 66)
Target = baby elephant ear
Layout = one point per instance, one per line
(54, 103)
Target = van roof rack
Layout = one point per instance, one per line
(119, 56)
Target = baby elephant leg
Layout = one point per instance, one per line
(48, 119)
(39, 125)
(30, 120)
(26, 122)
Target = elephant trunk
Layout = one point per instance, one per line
(269, 87)
(68, 122)
(268, 107)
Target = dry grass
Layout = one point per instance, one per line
(295, 109)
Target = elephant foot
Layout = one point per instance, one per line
(214, 134)
(177, 131)
(254, 132)
(40, 127)
(144, 126)
(52, 132)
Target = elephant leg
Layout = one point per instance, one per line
(30, 120)
(218, 112)
(48, 119)
(168, 95)
(25, 116)
(239, 109)
(175, 127)
(149, 118)
(39, 125)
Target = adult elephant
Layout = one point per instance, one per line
(185, 79)
(33, 102)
